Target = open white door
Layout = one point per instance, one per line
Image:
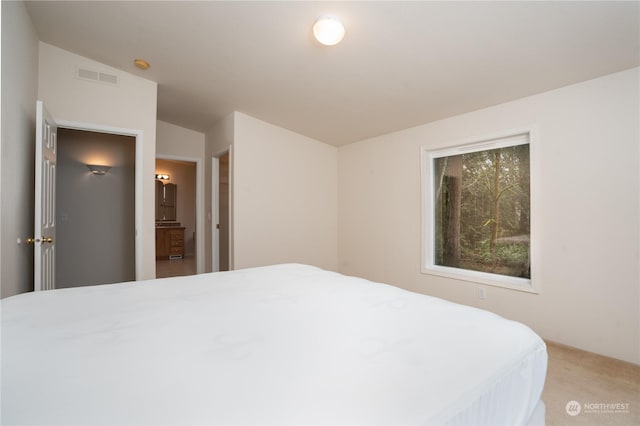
(45, 199)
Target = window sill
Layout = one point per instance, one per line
(485, 278)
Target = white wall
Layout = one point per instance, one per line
(588, 204)
(130, 105)
(284, 197)
(95, 229)
(175, 142)
(19, 94)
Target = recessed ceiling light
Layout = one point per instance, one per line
(328, 30)
(142, 64)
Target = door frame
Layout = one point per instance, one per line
(215, 213)
(199, 205)
(139, 177)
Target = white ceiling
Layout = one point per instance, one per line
(401, 64)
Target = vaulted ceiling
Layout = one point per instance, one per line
(400, 64)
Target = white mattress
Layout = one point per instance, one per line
(285, 344)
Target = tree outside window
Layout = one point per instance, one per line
(481, 208)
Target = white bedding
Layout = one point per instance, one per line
(285, 344)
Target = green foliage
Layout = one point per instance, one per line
(494, 209)
(507, 259)
(512, 254)
(504, 254)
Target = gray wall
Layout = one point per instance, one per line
(19, 92)
(96, 214)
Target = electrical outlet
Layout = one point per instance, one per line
(482, 293)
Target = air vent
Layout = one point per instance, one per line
(96, 76)
(109, 78)
(87, 74)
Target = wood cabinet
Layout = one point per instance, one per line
(169, 242)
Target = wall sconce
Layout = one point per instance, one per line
(98, 170)
(162, 176)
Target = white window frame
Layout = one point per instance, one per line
(500, 140)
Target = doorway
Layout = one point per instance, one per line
(223, 211)
(47, 128)
(177, 217)
(221, 207)
(95, 211)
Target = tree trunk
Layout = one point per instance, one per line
(496, 202)
(451, 255)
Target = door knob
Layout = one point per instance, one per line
(47, 240)
(33, 240)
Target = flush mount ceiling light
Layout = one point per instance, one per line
(98, 170)
(328, 30)
(162, 176)
(142, 64)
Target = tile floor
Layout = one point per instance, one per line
(176, 267)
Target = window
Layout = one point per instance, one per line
(478, 212)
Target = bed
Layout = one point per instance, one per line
(278, 345)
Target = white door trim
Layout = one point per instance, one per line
(199, 205)
(215, 215)
(138, 134)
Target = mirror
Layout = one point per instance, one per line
(166, 195)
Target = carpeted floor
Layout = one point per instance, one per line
(593, 381)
